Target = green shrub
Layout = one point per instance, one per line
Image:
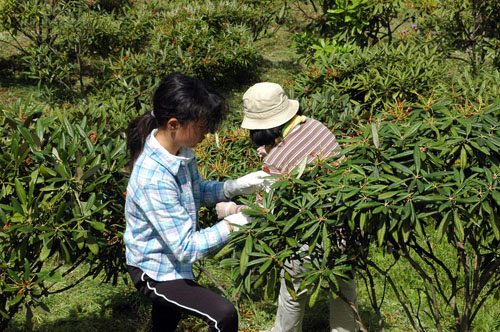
(406, 183)
(185, 39)
(112, 5)
(66, 39)
(376, 76)
(61, 205)
(468, 31)
(364, 22)
(467, 87)
(222, 52)
(111, 33)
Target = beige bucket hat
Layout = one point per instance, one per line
(267, 106)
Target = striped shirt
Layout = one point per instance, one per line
(164, 194)
(311, 139)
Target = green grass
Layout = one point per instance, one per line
(97, 306)
(13, 83)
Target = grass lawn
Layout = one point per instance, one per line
(97, 306)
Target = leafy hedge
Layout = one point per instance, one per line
(80, 48)
(61, 205)
(406, 185)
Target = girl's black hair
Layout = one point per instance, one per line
(268, 136)
(178, 96)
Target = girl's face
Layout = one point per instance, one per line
(192, 133)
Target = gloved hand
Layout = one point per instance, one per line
(238, 219)
(225, 209)
(245, 185)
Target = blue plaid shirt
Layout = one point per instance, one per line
(164, 194)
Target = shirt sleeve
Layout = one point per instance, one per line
(211, 192)
(177, 229)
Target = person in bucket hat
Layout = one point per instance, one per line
(285, 137)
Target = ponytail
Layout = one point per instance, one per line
(137, 132)
(178, 96)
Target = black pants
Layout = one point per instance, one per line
(171, 298)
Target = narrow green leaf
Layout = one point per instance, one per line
(289, 285)
(376, 140)
(388, 194)
(315, 293)
(327, 244)
(14, 276)
(92, 244)
(21, 193)
(362, 220)
(381, 234)
(69, 127)
(247, 249)
(267, 263)
(416, 158)
(27, 269)
(46, 172)
(45, 252)
(300, 167)
(88, 173)
(463, 158)
(413, 129)
(495, 225)
(64, 252)
(89, 204)
(459, 227)
(311, 231)
(16, 300)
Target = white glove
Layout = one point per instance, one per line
(245, 185)
(238, 219)
(225, 209)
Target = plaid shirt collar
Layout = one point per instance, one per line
(159, 154)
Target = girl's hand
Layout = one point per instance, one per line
(245, 185)
(238, 219)
(225, 209)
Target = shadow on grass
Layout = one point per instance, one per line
(12, 73)
(316, 318)
(119, 312)
(14, 83)
(278, 71)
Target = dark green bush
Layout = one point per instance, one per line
(364, 22)
(374, 77)
(468, 31)
(61, 205)
(407, 184)
(183, 42)
(67, 39)
(76, 48)
(218, 53)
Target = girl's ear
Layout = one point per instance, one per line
(173, 124)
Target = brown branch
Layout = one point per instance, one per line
(372, 296)
(351, 304)
(213, 280)
(395, 289)
(430, 289)
(493, 288)
(428, 257)
(85, 276)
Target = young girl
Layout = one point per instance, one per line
(164, 194)
(285, 138)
